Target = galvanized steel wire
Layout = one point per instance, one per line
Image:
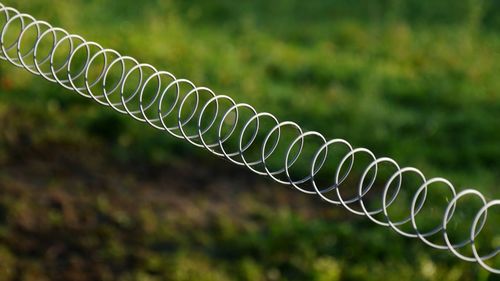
(176, 106)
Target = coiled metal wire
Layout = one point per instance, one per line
(241, 134)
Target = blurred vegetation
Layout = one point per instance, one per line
(88, 194)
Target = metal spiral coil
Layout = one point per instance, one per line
(235, 131)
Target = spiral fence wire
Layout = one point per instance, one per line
(217, 122)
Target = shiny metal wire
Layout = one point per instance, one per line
(176, 106)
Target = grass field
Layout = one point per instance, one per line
(88, 194)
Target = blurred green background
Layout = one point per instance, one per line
(88, 194)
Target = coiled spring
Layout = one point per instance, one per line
(240, 134)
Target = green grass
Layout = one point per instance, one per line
(410, 80)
